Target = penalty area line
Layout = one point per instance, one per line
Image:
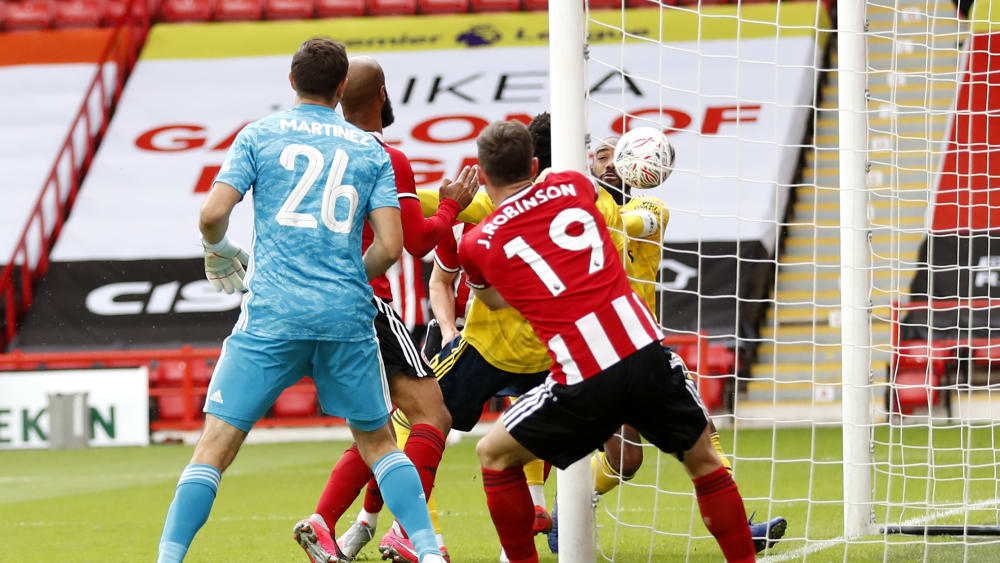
(811, 548)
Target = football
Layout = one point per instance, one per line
(644, 158)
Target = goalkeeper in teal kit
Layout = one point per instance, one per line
(308, 306)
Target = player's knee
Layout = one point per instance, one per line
(701, 459)
(491, 457)
(433, 413)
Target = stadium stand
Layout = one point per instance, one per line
(49, 139)
(289, 9)
(716, 362)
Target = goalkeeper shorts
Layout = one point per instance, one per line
(253, 370)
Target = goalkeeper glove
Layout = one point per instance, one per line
(224, 263)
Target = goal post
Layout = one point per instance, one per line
(855, 268)
(567, 64)
(831, 268)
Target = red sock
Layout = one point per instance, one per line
(346, 480)
(512, 511)
(424, 448)
(373, 498)
(724, 515)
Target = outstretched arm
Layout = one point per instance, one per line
(421, 235)
(478, 209)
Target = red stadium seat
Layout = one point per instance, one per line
(536, 5)
(915, 355)
(392, 7)
(721, 360)
(242, 10)
(913, 389)
(443, 6)
(78, 13)
(112, 11)
(986, 355)
(289, 9)
(170, 373)
(605, 4)
(710, 389)
(295, 403)
(495, 5)
(339, 8)
(29, 14)
(186, 10)
(171, 407)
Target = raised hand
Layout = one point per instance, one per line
(463, 188)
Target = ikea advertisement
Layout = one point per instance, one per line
(196, 86)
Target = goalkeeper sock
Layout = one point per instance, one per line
(189, 510)
(724, 515)
(348, 476)
(400, 486)
(714, 437)
(513, 514)
(605, 476)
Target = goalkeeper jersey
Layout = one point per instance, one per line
(315, 177)
(644, 251)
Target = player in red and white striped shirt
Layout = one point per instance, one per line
(546, 252)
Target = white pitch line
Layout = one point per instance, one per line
(811, 548)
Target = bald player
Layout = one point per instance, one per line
(366, 105)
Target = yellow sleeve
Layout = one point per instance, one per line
(612, 216)
(645, 217)
(480, 207)
(429, 201)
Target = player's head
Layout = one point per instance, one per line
(319, 69)
(365, 97)
(506, 154)
(541, 135)
(603, 168)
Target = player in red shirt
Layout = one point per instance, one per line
(366, 105)
(546, 252)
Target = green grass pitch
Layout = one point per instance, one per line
(108, 504)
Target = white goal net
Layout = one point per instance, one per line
(828, 270)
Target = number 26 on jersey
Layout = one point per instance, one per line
(331, 192)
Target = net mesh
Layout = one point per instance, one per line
(748, 281)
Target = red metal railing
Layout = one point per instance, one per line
(30, 258)
(188, 389)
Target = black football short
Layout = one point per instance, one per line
(396, 349)
(648, 390)
(467, 381)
